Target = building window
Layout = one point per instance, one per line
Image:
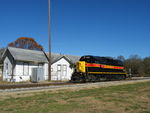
(58, 67)
(25, 68)
(64, 67)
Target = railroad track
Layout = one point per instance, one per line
(30, 85)
(42, 85)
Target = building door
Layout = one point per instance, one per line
(58, 72)
(64, 71)
(61, 72)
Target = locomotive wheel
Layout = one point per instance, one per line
(76, 77)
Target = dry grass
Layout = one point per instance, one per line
(131, 98)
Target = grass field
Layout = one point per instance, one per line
(131, 98)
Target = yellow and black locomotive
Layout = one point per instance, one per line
(94, 68)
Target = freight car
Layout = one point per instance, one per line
(94, 68)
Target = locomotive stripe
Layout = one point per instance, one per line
(103, 66)
(106, 73)
(93, 65)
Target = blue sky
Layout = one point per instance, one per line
(80, 27)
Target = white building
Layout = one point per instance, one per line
(18, 65)
(62, 66)
(1, 62)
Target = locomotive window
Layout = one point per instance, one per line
(82, 59)
(87, 59)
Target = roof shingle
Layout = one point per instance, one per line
(27, 55)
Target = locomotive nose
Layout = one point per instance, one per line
(81, 66)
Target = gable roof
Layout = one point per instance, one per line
(38, 56)
(55, 57)
(27, 55)
(73, 59)
(1, 53)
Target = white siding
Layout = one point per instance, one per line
(7, 69)
(20, 75)
(46, 71)
(61, 70)
(18, 68)
(1, 66)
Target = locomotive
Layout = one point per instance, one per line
(94, 68)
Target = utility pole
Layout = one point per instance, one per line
(49, 41)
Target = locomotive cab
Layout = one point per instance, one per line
(81, 65)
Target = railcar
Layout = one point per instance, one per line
(95, 68)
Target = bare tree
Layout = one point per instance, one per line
(121, 58)
(26, 43)
(135, 63)
(146, 63)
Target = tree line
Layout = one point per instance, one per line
(136, 66)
